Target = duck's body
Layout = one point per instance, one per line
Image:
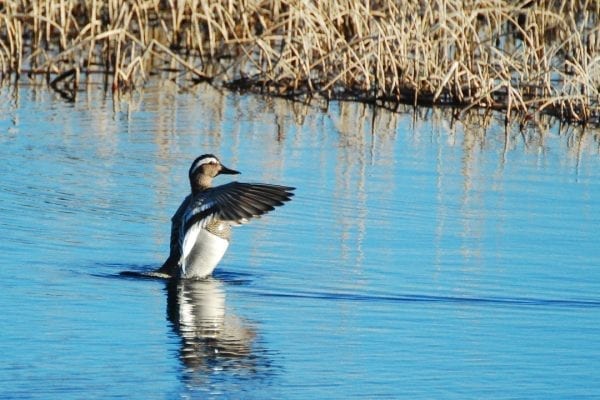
(201, 226)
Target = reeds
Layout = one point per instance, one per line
(523, 57)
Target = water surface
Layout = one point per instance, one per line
(420, 258)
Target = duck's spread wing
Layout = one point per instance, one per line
(234, 202)
(237, 202)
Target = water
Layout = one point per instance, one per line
(419, 259)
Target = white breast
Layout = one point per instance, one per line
(204, 255)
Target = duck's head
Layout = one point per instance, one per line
(204, 169)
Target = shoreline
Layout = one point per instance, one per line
(528, 60)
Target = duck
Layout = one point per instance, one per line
(202, 225)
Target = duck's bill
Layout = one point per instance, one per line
(228, 171)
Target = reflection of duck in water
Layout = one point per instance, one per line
(211, 338)
(201, 226)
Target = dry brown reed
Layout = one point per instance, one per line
(524, 57)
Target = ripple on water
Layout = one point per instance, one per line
(414, 261)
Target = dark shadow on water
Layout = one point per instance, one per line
(144, 271)
(237, 278)
(414, 298)
(123, 270)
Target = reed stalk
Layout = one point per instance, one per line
(523, 57)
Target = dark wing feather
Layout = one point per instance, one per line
(241, 201)
(170, 265)
(237, 202)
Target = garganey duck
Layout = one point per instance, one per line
(201, 226)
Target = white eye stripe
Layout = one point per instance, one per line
(207, 160)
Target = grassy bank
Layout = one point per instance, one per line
(524, 57)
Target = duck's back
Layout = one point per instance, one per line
(204, 238)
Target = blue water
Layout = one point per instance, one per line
(420, 258)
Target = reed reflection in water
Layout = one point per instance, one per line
(422, 256)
